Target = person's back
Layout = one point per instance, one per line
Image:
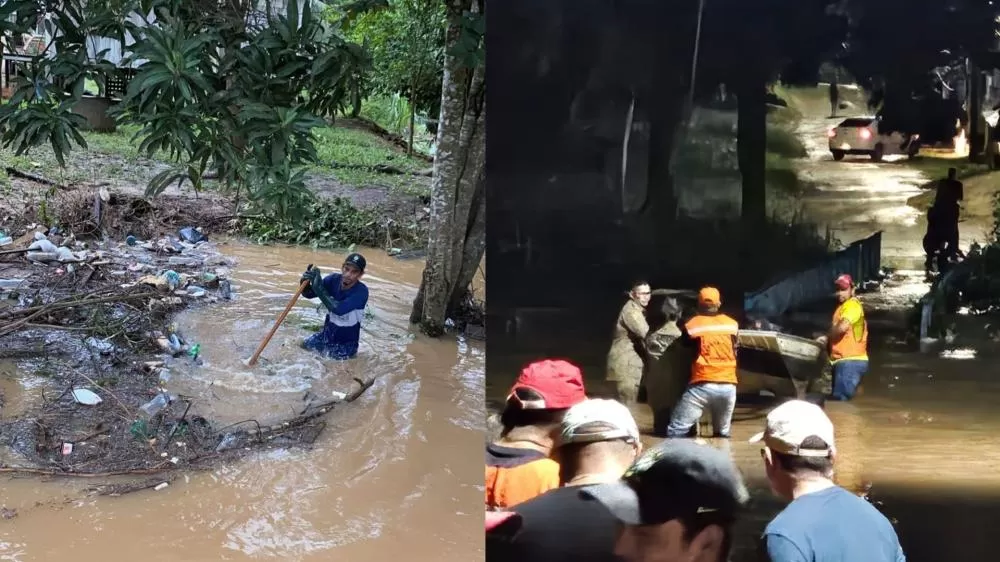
(517, 474)
(598, 441)
(560, 525)
(518, 466)
(832, 525)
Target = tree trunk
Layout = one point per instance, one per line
(413, 111)
(458, 205)
(751, 149)
(974, 81)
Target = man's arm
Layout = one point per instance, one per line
(636, 323)
(686, 339)
(780, 549)
(851, 315)
(330, 283)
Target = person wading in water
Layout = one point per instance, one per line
(627, 357)
(713, 374)
(847, 341)
(345, 297)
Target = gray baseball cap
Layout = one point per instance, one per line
(674, 479)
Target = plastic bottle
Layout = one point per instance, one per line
(156, 405)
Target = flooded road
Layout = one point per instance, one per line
(856, 197)
(920, 439)
(390, 476)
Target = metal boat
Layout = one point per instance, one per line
(783, 364)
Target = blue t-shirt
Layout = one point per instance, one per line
(831, 525)
(342, 329)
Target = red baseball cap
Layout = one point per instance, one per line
(559, 382)
(843, 282)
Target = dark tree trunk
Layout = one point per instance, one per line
(458, 207)
(752, 150)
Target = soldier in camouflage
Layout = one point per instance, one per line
(627, 357)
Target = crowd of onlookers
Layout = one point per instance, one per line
(568, 479)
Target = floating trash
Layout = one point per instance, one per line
(86, 397)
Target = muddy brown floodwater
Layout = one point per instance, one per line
(390, 476)
(922, 436)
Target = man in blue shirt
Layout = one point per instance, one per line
(345, 298)
(823, 522)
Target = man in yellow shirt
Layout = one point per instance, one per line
(847, 341)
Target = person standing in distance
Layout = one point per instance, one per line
(823, 520)
(713, 375)
(627, 356)
(345, 297)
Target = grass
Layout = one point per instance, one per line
(710, 151)
(980, 191)
(116, 156)
(936, 167)
(357, 147)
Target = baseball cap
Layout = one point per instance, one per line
(675, 479)
(709, 296)
(502, 522)
(791, 423)
(559, 382)
(357, 260)
(843, 282)
(598, 419)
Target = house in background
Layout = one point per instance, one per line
(19, 50)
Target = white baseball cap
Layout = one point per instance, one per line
(791, 423)
(598, 419)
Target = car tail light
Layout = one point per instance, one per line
(831, 133)
(865, 134)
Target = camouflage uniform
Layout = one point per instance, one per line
(668, 373)
(627, 354)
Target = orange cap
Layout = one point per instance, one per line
(709, 296)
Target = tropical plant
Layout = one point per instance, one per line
(406, 39)
(220, 87)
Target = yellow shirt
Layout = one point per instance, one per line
(853, 344)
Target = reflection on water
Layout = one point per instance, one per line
(958, 354)
(921, 438)
(390, 476)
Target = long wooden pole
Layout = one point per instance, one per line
(291, 303)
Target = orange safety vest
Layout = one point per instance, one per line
(511, 480)
(854, 343)
(716, 360)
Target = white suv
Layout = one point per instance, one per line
(860, 135)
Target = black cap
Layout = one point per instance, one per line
(674, 479)
(357, 260)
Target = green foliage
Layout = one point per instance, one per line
(217, 87)
(406, 40)
(391, 112)
(333, 224)
(785, 143)
(470, 46)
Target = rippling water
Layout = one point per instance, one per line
(391, 475)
